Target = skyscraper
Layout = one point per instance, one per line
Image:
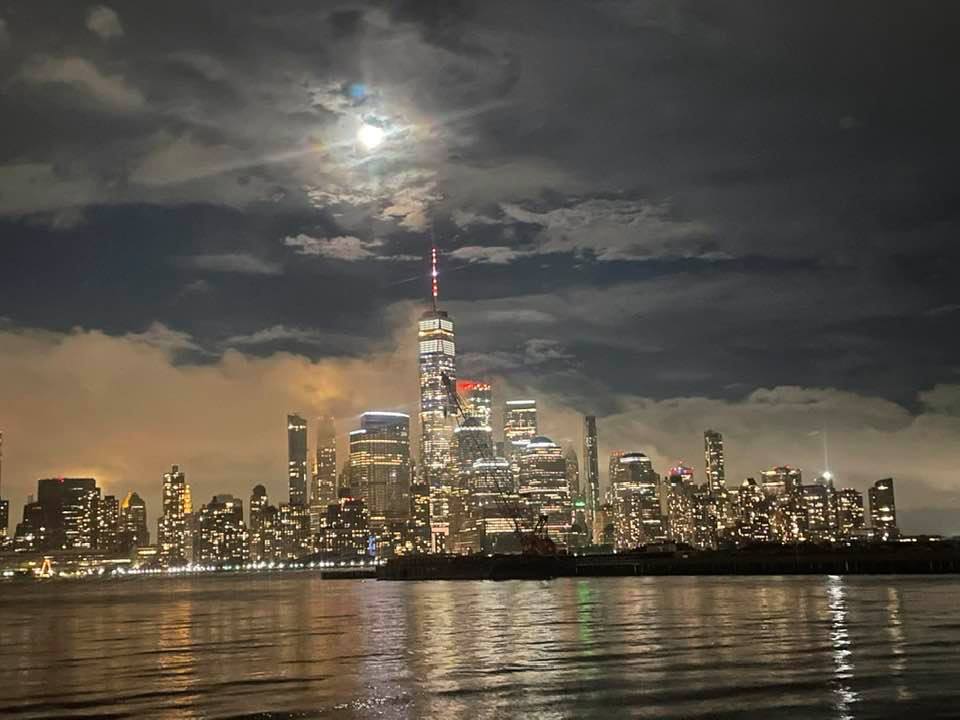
(69, 510)
(221, 535)
(108, 524)
(635, 487)
(713, 459)
(172, 525)
(519, 424)
(850, 518)
(883, 510)
(297, 459)
(679, 492)
(780, 481)
(437, 352)
(591, 474)
(380, 465)
(133, 523)
(324, 490)
(543, 485)
(573, 472)
(478, 399)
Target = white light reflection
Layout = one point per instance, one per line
(898, 662)
(840, 642)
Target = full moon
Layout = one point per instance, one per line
(370, 136)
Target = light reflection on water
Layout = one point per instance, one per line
(291, 645)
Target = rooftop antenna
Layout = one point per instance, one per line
(433, 268)
(826, 454)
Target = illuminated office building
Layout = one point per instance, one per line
(108, 524)
(31, 533)
(292, 531)
(473, 441)
(436, 352)
(478, 400)
(265, 535)
(324, 489)
(172, 525)
(753, 517)
(818, 503)
(519, 425)
(344, 533)
(780, 481)
(134, 532)
(380, 465)
(883, 510)
(615, 471)
(679, 490)
(850, 515)
(635, 487)
(221, 535)
(573, 472)
(713, 460)
(591, 475)
(543, 486)
(297, 459)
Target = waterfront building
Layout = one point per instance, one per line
(713, 460)
(134, 532)
(420, 526)
(108, 525)
(265, 534)
(789, 522)
(883, 510)
(221, 537)
(345, 529)
(493, 503)
(850, 514)
(753, 516)
(293, 531)
(31, 533)
(172, 525)
(324, 489)
(819, 504)
(591, 476)
(679, 490)
(635, 487)
(297, 459)
(543, 489)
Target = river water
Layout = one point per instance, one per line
(294, 646)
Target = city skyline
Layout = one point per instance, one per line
(210, 243)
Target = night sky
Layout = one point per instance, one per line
(673, 215)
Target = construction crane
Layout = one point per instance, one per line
(534, 541)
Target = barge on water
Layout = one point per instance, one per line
(477, 567)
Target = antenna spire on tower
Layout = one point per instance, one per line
(433, 277)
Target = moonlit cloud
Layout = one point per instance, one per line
(241, 263)
(104, 22)
(112, 91)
